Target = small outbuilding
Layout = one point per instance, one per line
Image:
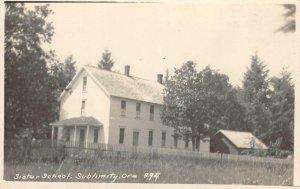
(234, 142)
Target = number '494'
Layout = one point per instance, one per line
(152, 176)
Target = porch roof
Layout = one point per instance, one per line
(78, 121)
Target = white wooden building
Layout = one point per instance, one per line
(100, 106)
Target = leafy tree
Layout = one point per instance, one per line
(62, 73)
(256, 98)
(282, 108)
(106, 62)
(193, 102)
(290, 14)
(29, 103)
(234, 112)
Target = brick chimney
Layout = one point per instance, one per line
(127, 70)
(159, 78)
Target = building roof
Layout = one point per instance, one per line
(120, 85)
(243, 139)
(78, 121)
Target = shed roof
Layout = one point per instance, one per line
(243, 139)
(78, 121)
(130, 87)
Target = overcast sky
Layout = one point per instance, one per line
(153, 37)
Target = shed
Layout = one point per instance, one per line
(234, 142)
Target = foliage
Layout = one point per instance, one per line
(197, 104)
(62, 73)
(33, 77)
(106, 62)
(29, 102)
(290, 14)
(256, 97)
(282, 108)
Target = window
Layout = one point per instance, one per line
(96, 133)
(123, 108)
(138, 110)
(135, 141)
(150, 138)
(82, 107)
(84, 83)
(151, 112)
(121, 135)
(175, 141)
(163, 138)
(68, 133)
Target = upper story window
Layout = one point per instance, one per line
(138, 110)
(84, 84)
(151, 112)
(123, 108)
(83, 103)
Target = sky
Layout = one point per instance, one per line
(156, 36)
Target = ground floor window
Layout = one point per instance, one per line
(135, 141)
(121, 135)
(150, 138)
(163, 138)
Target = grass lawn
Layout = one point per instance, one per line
(167, 169)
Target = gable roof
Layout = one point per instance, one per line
(119, 85)
(78, 121)
(243, 139)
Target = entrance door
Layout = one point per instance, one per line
(81, 137)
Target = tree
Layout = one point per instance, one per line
(62, 73)
(290, 25)
(282, 108)
(256, 96)
(29, 103)
(193, 102)
(106, 62)
(234, 112)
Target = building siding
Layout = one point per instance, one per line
(107, 110)
(97, 104)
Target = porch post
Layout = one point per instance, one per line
(75, 133)
(87, 136)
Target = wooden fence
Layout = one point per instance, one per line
(61, 149)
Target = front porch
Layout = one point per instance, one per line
(82, 130)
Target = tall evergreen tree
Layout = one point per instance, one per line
(256, 98)
(282, 108)
(29, 102)
(106, 62)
